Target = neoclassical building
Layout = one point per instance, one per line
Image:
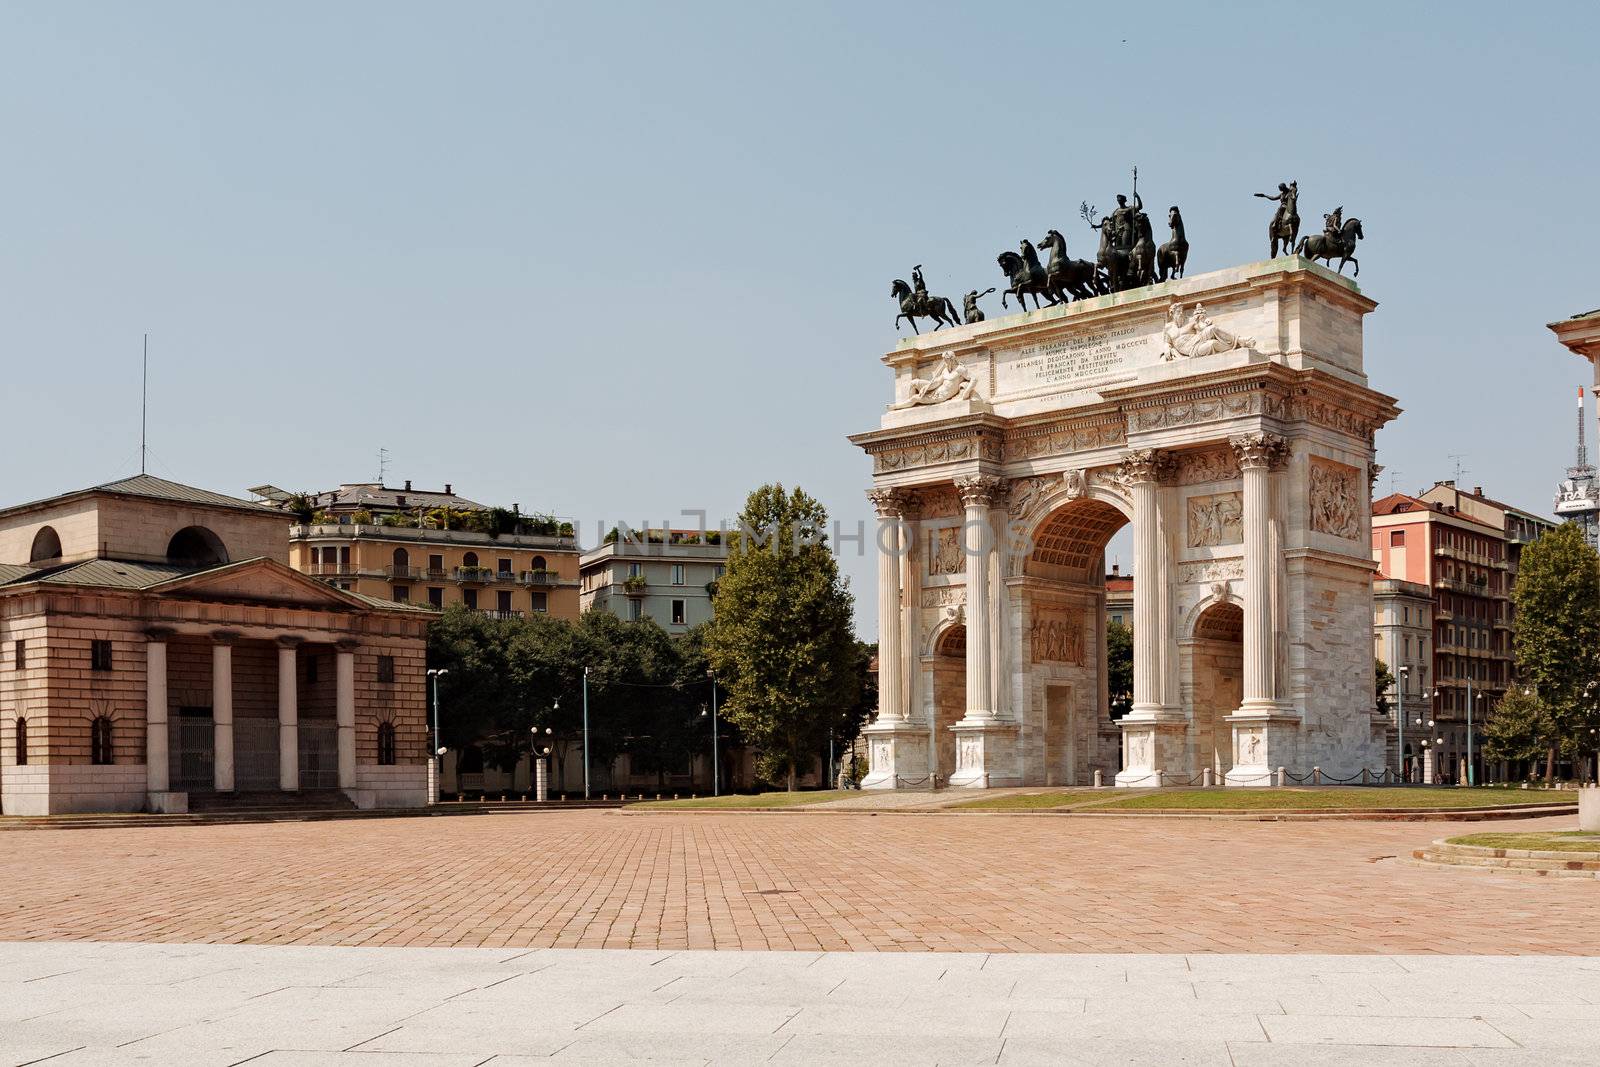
(1227, 417)
(155, 647)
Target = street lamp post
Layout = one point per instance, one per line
(541, 762)
(586, 733)
(1400, 718)
(716, 770)
(1470, 780)
(435, 761)
(1430, 750)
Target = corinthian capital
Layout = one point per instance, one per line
(1146, 465)
(1266, 450)
(979, 490)
(890, 503)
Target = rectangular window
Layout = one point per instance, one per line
(504, 568)
(385, 668)
(344, 558)
(316, 556)
(436, 564)
(469, 597)
(436, 596)
(677, 574)
(677, 613)
(502, 600)
(541, 600)
(22, 654)
(635, 610)
(402, 594)
(635, 569)
(1397, 539)
(100, 655)
(1407, 614)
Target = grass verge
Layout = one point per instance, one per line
(751, 802)
(1033, 801)
(1561, 841)
(1368, 798)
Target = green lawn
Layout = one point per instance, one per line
(755, 802)
(1567, 841)
(1367, 798)
(1034, 801)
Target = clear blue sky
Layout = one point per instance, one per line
(616, 260)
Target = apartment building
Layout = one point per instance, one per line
(666, 575)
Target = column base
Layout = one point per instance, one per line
(1153, 748)
(1265, 737)
(897, 756)
(986, 754)
(167, 803)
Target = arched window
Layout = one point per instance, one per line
(196, 546)
(469, 560)
(100, 741)
(46, 545)
(538, 564)
(386, 744)
(22, 742)
(402, 558)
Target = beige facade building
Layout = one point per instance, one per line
(668, 576)
(157, 649)
(435, 549)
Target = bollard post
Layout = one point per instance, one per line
(1589, 808)
(1205, 778)
(1158, 773)
(1316, 776)
(1281, 777)
(1099, 779)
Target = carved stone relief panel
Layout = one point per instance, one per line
(943, 596)
(1056, 637)
(938, 502)
(969, 753)
(1335, 499)
(1212, 466)
(1215, 520)
(1250, 750)
(944, 551)
(1141, 749)
(1063, 439)
(1207, 572)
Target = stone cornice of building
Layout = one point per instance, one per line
(194, 618)
(1399, 587)
(1365, 564)
(654, 551)
(1580, 334)
(968, 439)
(472, 538)
(1269, 390)
(1214, 287)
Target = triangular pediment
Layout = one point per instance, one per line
(259, 581)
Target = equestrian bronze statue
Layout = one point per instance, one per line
(1337, 239)
(1026, 275)
(1066, 276)
(1171, 257)
(916, 304)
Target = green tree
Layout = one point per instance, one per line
(1518, 728)
(1119, 664)
(1557, 599)
(478, 698)
(781, 638)
(1383, 679)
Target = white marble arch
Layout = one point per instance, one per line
(1086, 402)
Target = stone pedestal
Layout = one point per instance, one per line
(1589, 808)
(1152, 749)
(1262, 744)
(986, 755)
(897, 756)
(163, 802)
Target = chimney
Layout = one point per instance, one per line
(408, 485)
(1477, 490)
(1116, 569)
(447, 490)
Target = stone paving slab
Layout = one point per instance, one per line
(931, 883)
(183, 1005)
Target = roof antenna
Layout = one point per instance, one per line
(144, 402)
(1460, 470)
(383, 465)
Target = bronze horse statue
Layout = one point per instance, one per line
(1067, 276)
(1171, 257)
(1342, 244)
(1026, 275)
(1112, 260)
(1142, 257)
(913, 305)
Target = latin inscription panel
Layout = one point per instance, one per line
(1088, 360)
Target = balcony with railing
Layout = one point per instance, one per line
(539, 578)
(495, 614)
(636, 585)
(476, 575)
(398, 573)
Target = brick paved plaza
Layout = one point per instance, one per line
(788, 881)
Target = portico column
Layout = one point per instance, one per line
(1144, 470)
(288, 716)
(156, 773)
(978, 493)
(891, 666)
(1258, 454)
(344, 674)
(222, 710)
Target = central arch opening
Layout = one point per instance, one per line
(1068, 729)
(1213, 667)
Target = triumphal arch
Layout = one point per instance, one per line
(1227, 417)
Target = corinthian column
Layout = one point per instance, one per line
(978, 494)
(890, 504)
(1144, 470)
(1258, 454)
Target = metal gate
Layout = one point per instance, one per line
(255, 754)
(191, 743)
(319, 754)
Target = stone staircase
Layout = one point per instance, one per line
(270, 802)
(1529, 862)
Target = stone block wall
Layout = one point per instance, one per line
(402, 702)
(63, 789)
